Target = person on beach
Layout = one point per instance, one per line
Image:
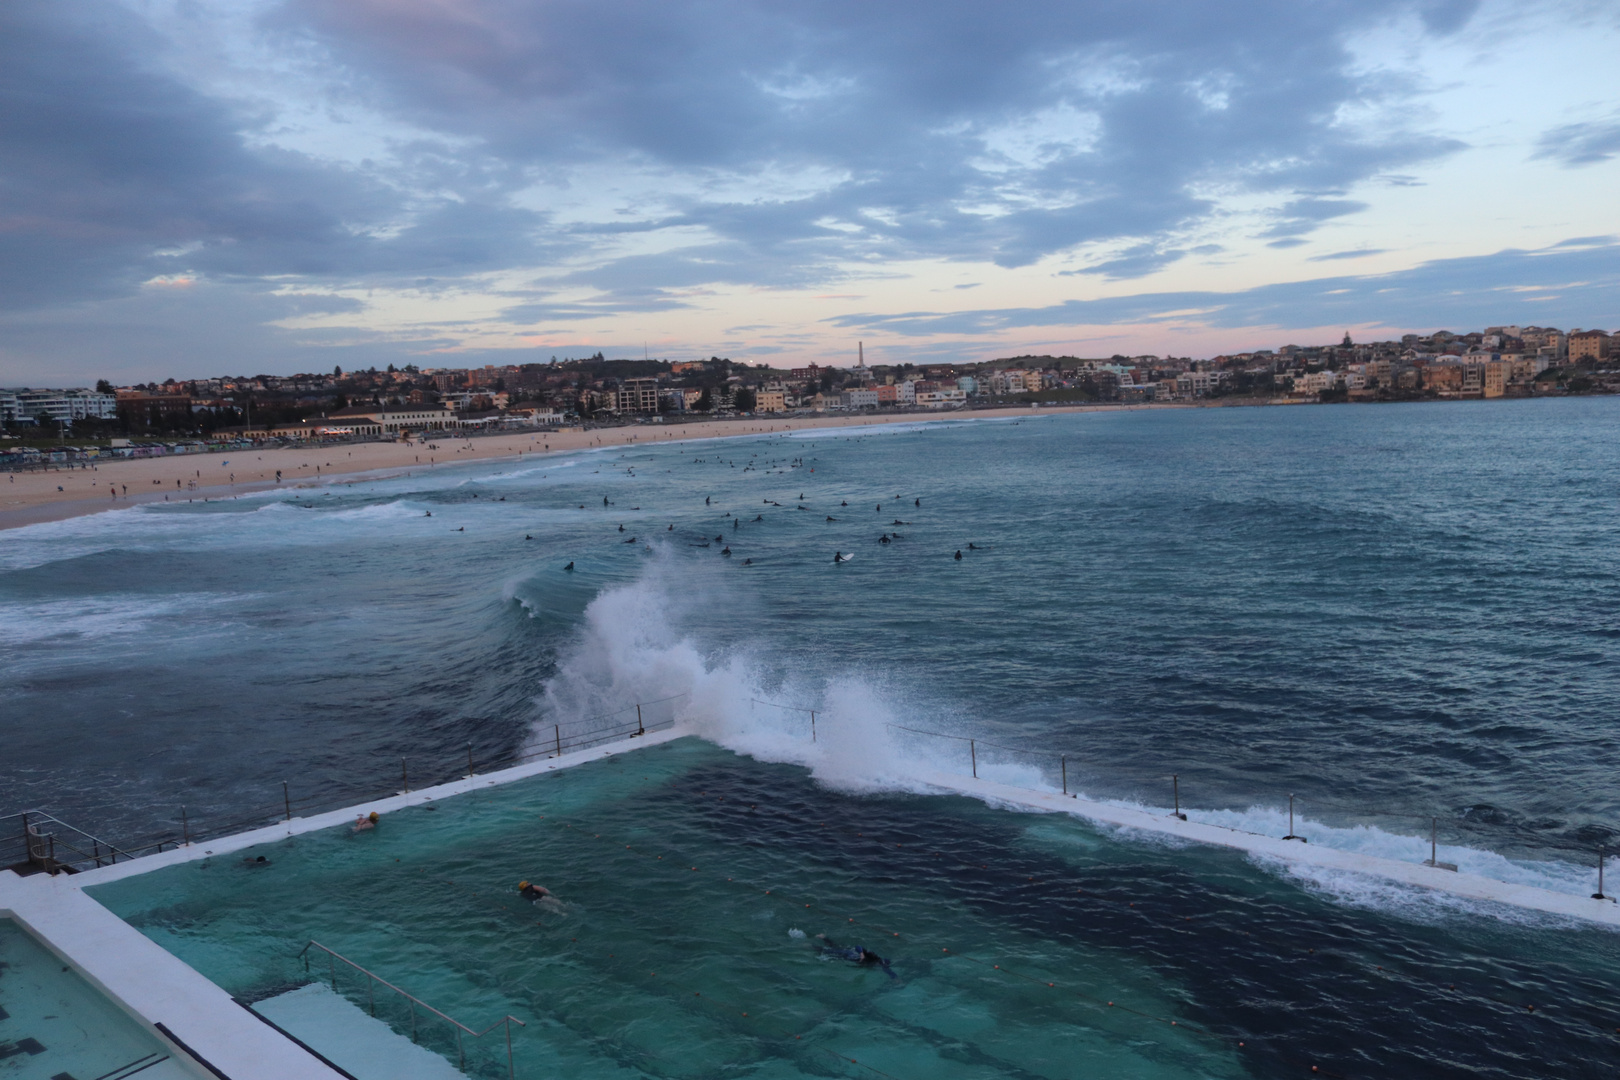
(530, 891)
(855, 954)
(365, 822)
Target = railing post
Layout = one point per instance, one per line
(413, 1019)
(1599, 894)
(332, 959)
(973, 755)
(640, 730)
(405, 775)
(1291, 835)
(371, 992)
(1175, 788)
(185, 828)
(557, 728)
(812, 725)
(461, 1051)
(286, 800)
(469, 761)
(1064, 760)
(511, 1073)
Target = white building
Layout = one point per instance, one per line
(939, 399)
(52, 406)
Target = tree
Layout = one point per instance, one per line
(705, 402)
(104, 387)
(337, 371)
(743, 400)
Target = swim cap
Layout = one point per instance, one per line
(523, 884)
(373, 815)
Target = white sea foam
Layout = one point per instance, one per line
(631, 649)
(102, 617)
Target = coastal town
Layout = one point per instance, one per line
(1498, 362)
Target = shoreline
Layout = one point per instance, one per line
(33, 498)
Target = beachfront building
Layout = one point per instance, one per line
(770, 401)
(638, 396)
(27, 406)
(393, 419)
(940, 397)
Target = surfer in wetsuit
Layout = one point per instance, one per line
(855, 954)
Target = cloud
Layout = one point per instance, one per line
(1304, 215)
(1584, 143)
(1358, 253)
(1137, 261)
(1473, 291)
(971, 133)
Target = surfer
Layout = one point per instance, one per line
(958, 554)
(855, 954)
(726, 550)
(973, 547)
(840, 557)
(884, 539)
(570, 566)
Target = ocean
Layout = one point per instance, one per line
(1404, 617)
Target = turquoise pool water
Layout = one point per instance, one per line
(1022, 945)
(55, 1026)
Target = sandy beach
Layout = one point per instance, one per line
(31, 497)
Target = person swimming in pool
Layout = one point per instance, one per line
(855, 954)
(530, 891)
(365, 821)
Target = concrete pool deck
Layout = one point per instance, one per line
(156, 987)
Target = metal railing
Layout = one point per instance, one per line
(373, 979)
(44, 843)
(43, 850)
(1421, 825)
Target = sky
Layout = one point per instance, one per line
(273, 186)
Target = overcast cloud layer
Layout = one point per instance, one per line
(290, 185)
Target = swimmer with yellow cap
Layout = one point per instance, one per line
(367, 821)
(532, 892)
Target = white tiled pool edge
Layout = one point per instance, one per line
(297, 826)
(157, 987)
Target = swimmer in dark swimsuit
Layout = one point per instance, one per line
(855, 954)
(532, 892)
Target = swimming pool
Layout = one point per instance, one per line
(691, 884)
(55, 1025)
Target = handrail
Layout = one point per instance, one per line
(507, 1020)
(30, 832)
